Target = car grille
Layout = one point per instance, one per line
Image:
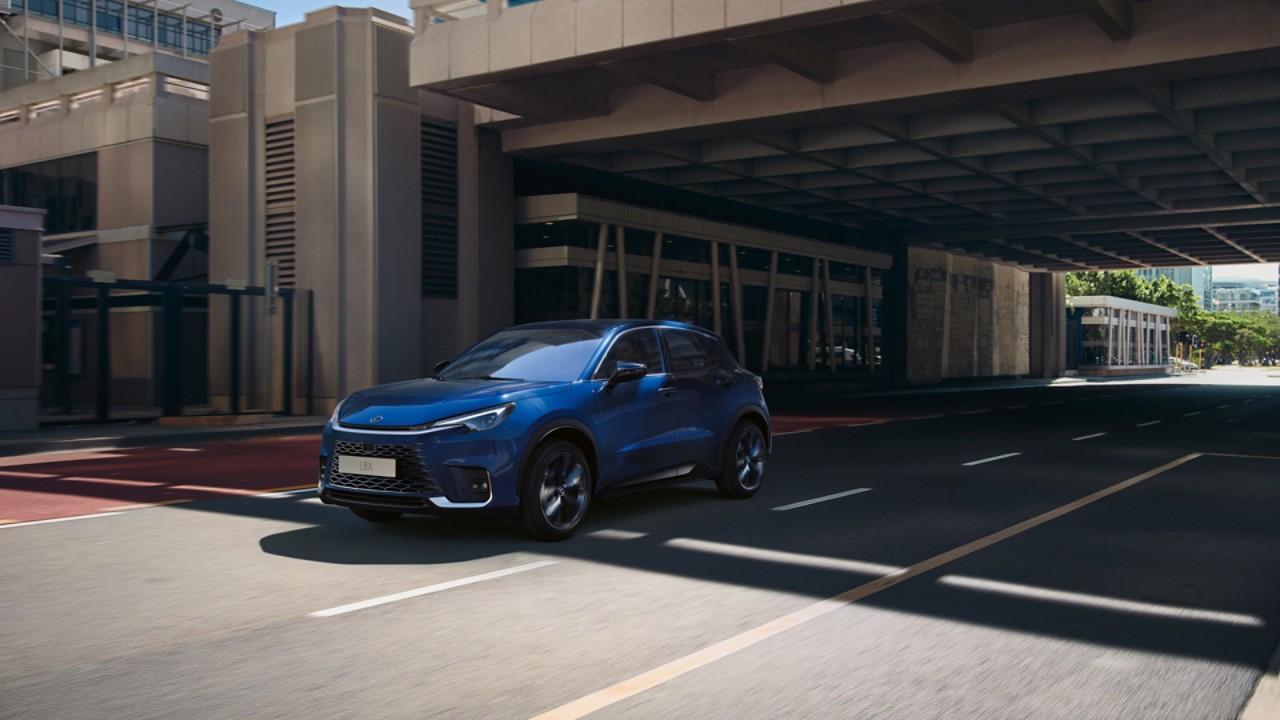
(411, 474)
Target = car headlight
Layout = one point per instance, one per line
(333, 419)
(480, 420)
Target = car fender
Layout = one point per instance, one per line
(546, 428)
(749, 409)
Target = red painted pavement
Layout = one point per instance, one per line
(65, 484)
(55, 485)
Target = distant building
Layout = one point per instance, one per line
(1199, 277)
(1237, 296)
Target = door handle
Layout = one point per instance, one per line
(667, 390)
(726, 382)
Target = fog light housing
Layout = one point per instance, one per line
(474, 484)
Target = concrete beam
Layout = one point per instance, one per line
(794, 52)
(1078, 226)
(669, 74)
(936, 29)
(548, 96)
(1115, 17)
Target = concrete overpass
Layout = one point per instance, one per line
(1057, 135)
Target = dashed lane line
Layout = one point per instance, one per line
(991, 459)
(439, 587)
(1149, 424)
(824, 498)
(1087, 437)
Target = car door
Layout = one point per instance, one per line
(698, 375)
(638, 424)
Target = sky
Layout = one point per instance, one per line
(1253, 271)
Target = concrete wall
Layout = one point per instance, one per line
(20, 321)
(342, 76)
(966, 317)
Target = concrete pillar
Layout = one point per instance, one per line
(1048, 315)
(486, 234)
(20, 322)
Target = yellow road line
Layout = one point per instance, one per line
(674, 669)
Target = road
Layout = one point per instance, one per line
(1092, 551)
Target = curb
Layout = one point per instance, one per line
(108, 438)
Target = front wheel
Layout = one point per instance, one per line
(556, 491)
(743, 466)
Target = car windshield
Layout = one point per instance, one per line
(538, 354)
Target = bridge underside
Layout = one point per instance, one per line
(1058, 135)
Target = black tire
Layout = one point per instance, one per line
(744, 462)
(375, 515)
(556, 491)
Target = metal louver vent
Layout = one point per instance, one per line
(439, 209)
(8, 253)
(281, 198)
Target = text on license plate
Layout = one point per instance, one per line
(378, 467)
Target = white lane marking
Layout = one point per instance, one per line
(439, 587)
(975, 412)
(928, 417)
(991, 459)
(1087, 437)
(864, 424)
(1100, 601)
(1017, 407)
(667, 672)
(1223, 407)
(1149, 424)
(1191, 414)
(822, 562)
(6, 526)
(616, 534)
(793, 432)
(184, 449)
(824, 498)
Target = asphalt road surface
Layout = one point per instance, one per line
(1099, 550)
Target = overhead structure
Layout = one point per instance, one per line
(1057, 135)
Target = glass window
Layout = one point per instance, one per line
(558, 234)
(67, 188)
(675, 247)
(111, 16)
(795, 265)
(686, 351)
(844, 272)
(199, 38)
(170, 31)
(76, 12)
(637, 346)
(538, 354)
(753, 259)
(141, 23)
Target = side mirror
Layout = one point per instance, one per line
(626, 372)
(440, 366)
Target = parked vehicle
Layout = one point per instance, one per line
(536, 420)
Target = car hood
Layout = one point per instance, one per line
(418, 402)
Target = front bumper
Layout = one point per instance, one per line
(448, 471)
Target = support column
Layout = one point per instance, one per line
(1048, 316)
(735, 298)
(622, 272)
(831, 325)
(654, 266)
(715, 288)
(770, 301)
(813, 318)
(602, 245)
(869, 350)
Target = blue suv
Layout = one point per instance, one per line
(536, 420)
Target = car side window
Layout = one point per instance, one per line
(638, 346)
(687, 352)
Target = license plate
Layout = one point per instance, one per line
(378, 467)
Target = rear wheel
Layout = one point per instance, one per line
(375, 515)
(744, 461)
(556, 491)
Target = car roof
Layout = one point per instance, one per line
(604, 326)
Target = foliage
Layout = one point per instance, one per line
(1250, 338)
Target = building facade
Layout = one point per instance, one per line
(50, 38)
(1199, 277)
